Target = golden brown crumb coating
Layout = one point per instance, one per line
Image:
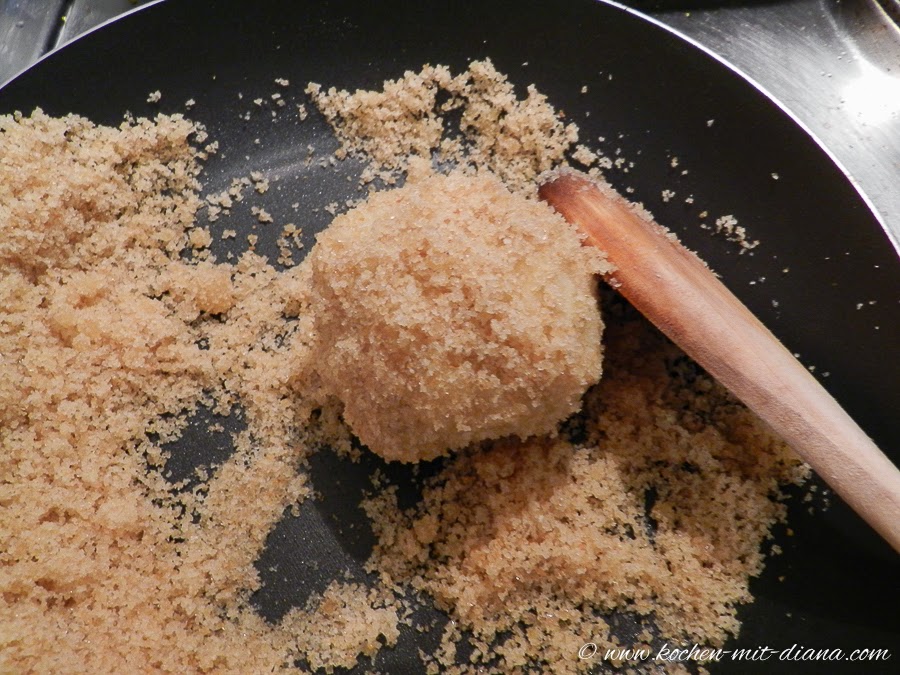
(451, 311)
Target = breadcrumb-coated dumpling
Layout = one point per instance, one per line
(451, 311)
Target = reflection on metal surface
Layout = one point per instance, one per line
(26, 31)
(82, 15)
(873, 97)
(834, 65)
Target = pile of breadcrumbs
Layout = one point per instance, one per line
(116, 324)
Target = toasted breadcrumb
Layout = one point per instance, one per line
(728, 225)
(109, 568)
(518, 139)
(357, 621)
(584, 155)
(261, 214)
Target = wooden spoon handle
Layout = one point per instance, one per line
(679, 294)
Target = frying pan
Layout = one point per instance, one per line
(653, 96)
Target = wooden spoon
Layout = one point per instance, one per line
(684, 299)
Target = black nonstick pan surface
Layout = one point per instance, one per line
(652, 95)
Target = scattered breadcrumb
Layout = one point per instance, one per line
(154, 96)
(111, 569)
(261, 214)
(347, 621)
(734, 232)
(584, 155)
(518, 139)
(117, 325)
(287, 243)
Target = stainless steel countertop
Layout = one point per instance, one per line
(834, 65)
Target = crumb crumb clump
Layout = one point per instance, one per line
(728, 225)
(345, 622)
(451, 311)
